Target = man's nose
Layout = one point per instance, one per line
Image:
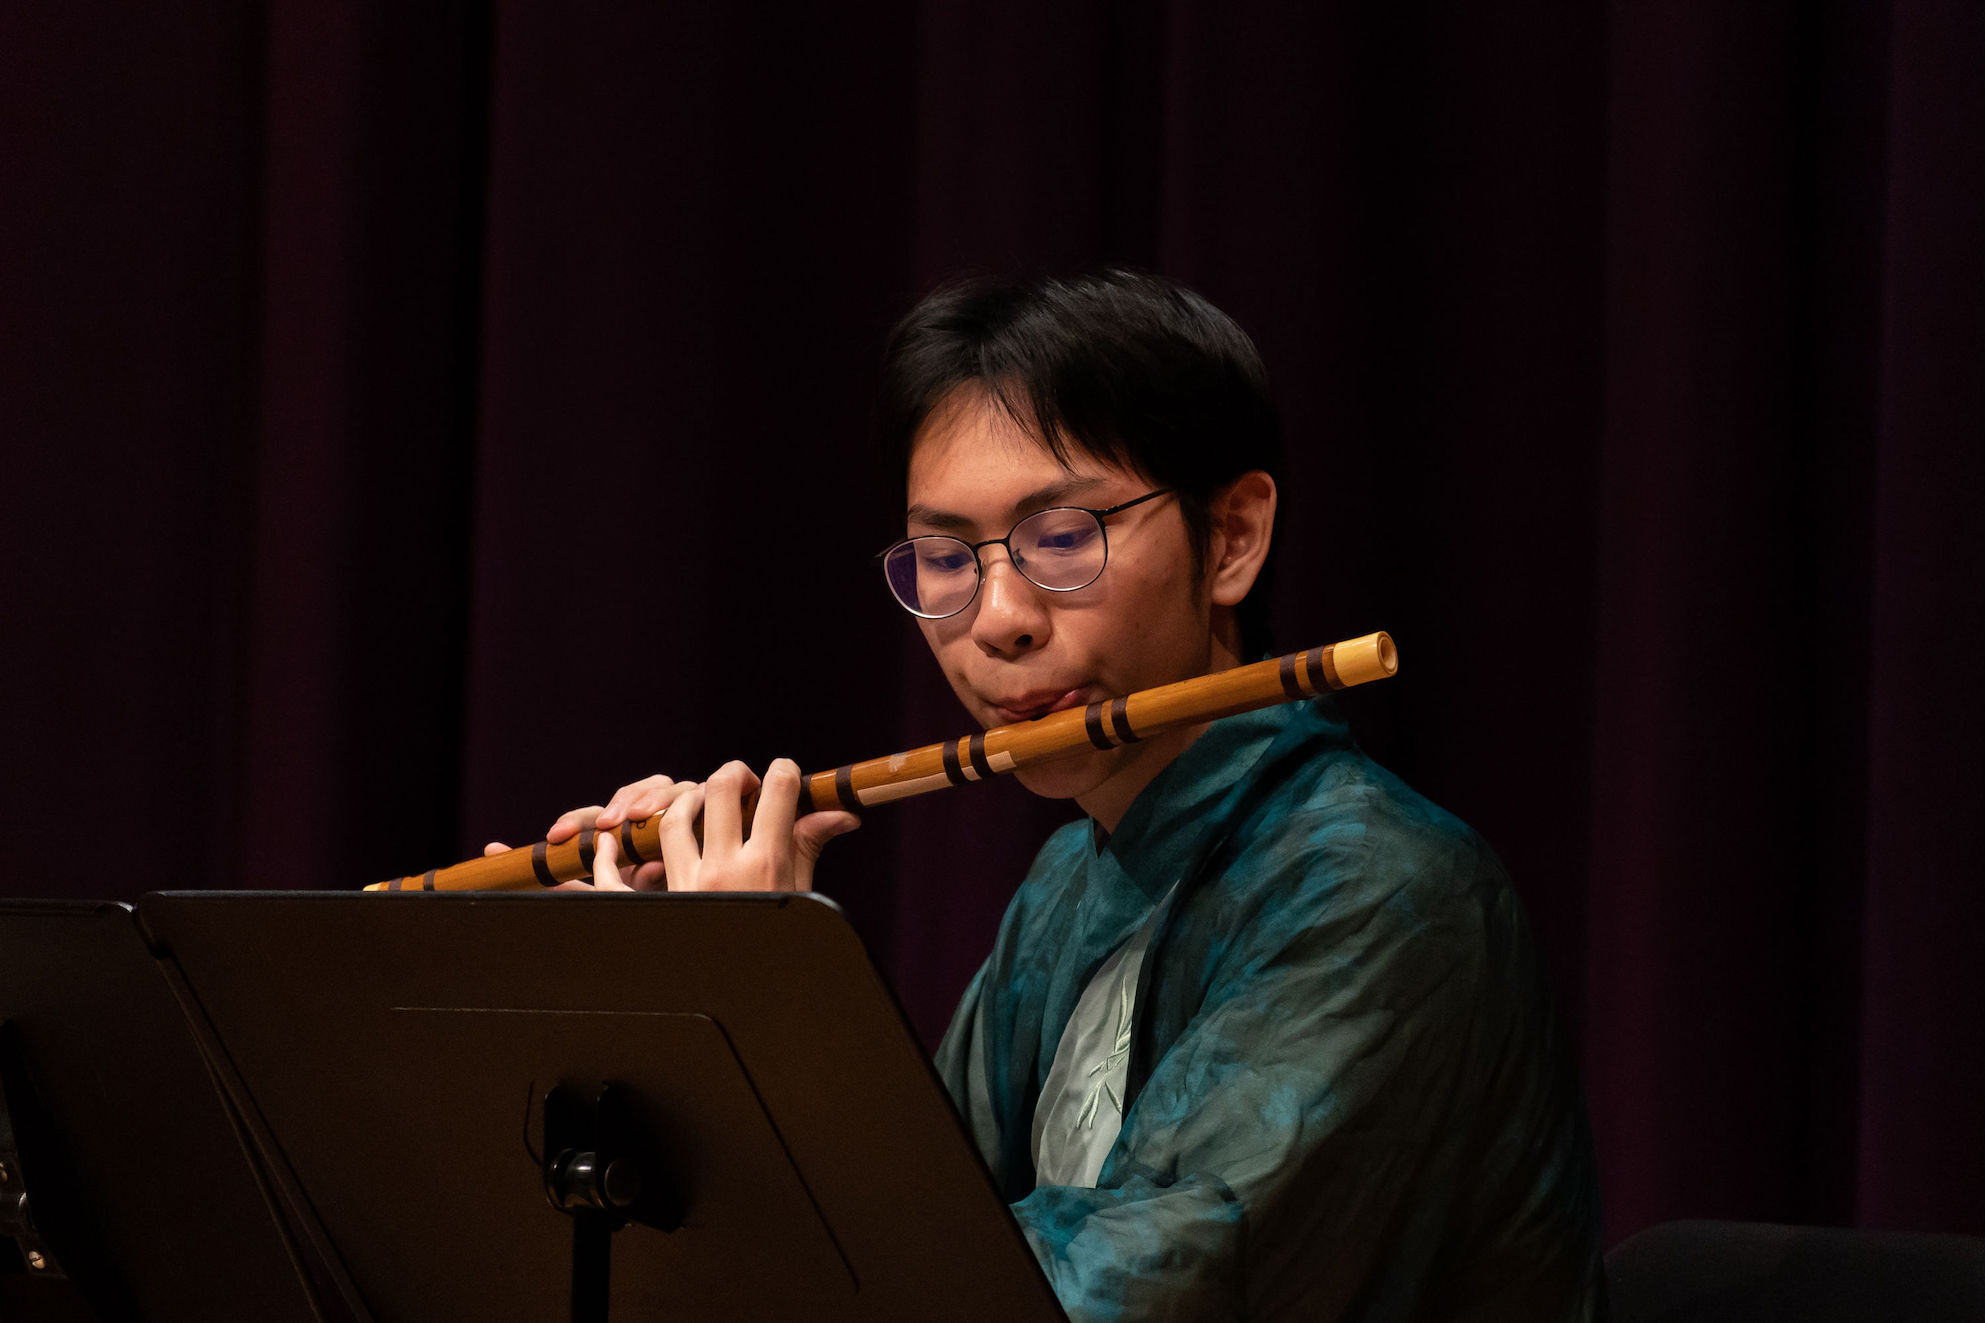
(1011, 616)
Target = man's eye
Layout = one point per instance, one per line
(940, 563)
(1074, 539)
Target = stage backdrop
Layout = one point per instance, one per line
(419, 419)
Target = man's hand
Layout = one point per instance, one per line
(779, 856)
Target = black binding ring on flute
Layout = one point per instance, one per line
(1322, 667)
(427, 880)
(1120, 720)
(586, 835)
(627, 845)
(1286, 672)
(394, 885)
(976, 751)
(952, 771)
(1092, 721)
(542, 867)
(844, 788)
(1313, 666)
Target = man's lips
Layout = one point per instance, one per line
(1026, 707)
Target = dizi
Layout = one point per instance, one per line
(1003, 749)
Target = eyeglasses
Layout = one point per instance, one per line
(1060, 549)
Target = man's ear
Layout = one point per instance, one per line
(1243, 521)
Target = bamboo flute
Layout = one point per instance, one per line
(1101, 725)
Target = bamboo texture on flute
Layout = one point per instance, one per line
(1105, 724)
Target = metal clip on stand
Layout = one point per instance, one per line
(597, 1172)
(17, 1221)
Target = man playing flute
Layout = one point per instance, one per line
(1263, 1035)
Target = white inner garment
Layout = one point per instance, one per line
(1080, 1111)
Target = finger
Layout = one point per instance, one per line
(723, 810)
(610, 816)
(812, 832)
(651, 876)
(656, 798)
(679, 853)
(618, 808)
(581, 888)
(810, 836)
(568, 824)
(495, 847)
(778, 803)
(606, 853)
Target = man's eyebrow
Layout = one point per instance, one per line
(1055, 493)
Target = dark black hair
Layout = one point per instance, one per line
(1129, 368)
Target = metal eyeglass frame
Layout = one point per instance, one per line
(979, 564)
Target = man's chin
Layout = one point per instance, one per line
(1068, 778)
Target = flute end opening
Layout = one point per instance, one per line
(1373, 657)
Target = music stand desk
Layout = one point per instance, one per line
(396, 1049)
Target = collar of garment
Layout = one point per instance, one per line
(1185, 811)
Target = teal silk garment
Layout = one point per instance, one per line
(1347, 1095)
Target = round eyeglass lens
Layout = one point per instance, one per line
(1060, 549)
(932, 576)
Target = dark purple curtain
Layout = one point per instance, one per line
(420, 419)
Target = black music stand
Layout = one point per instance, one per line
(421, 1067)
(143, 1200)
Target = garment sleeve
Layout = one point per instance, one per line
(1298, 1127)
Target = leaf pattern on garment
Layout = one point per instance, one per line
(1104, 1069)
